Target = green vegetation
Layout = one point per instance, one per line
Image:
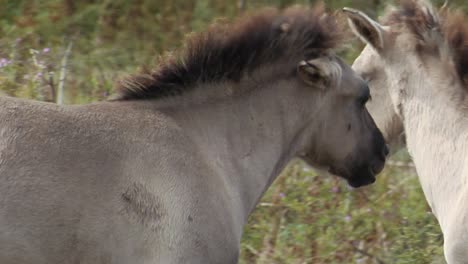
(84, 46)
(305, 218)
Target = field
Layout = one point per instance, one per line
(71, 52)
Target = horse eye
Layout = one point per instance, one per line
(367, 77)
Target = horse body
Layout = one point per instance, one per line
(169, 171)
(415, 61)
(113, 178)
(441, 166)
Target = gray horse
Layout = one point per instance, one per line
(170, 169)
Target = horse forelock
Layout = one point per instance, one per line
(445, 30)
(230, 51)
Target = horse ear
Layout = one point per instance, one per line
(367, 29)
(313, 73)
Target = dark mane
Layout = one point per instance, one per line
(422, 20)
(227, 52)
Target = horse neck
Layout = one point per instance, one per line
(248, 139)
(436, 134)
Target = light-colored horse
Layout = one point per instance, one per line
(169, 171)
(416, 63)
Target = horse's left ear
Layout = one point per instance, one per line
(367, 29)
(314, 73)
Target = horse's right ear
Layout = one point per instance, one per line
(367, 29)
(315, 72)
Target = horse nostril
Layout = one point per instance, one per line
(386, 150)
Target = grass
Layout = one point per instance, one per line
(309, 218)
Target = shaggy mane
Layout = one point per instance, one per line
(228, 52)
(451, 28)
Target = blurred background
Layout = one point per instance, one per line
(71, 52)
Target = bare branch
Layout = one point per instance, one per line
(63, 73)
(367, 254)
(49, 80)
(242, 4)
(400, 164)
(445, 6)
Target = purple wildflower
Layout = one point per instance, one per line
(45, 50)
(4, 62)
